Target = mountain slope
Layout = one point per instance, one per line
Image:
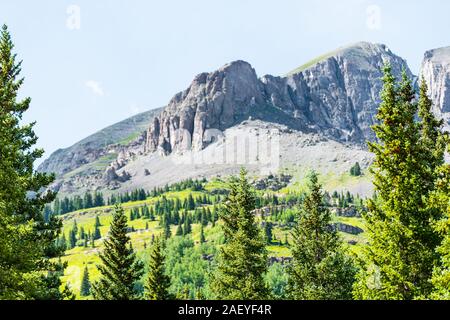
(95, 146)
(337, 97)
(317, 117)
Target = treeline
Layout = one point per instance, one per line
(97, 199)
(79, 237)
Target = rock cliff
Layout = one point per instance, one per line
(336, 96)
(436, 72)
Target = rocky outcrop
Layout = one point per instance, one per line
(272, 182)
(214, 100)
(436, 72)
(350, 212)
(337, 97)
(342, 227)
(322, 112)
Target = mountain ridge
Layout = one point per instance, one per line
(322, 98)
(334, 99)
(94, 146)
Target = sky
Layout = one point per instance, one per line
(89, 64)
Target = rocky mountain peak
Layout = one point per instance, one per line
(213, 100)
(335, 95)
(439, 55)
(436, 72)
(326, 105)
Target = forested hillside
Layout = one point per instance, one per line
(243, 236)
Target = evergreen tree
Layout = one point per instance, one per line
(82, 233)
(320, 270)
(401, 252)
(434, 141)
(72, 238)
(157, 283)
(242, 260)
(120, 270)
(268, 231)
(167, 231)
(355, 170)
(27, 240)
(187, 228)
(179, 231)
(88, 202)
(56, 207)
(63, 242)
(98, 199)
(440, 200)
(96, 235)
(152, 214)
(85, 289)
(202, 234)
(97, 222)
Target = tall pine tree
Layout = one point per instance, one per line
(120, 270)
(242, 260)
(401, 252)
(441, 201)
(85, 288)
(27, 240)
(157, 283)
(320, 270)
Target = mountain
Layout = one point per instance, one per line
(336, 96)
(436, 72)
(97, 145)
(316, 117)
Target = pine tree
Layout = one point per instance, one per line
(432, 140)
(27, 240)
(157, 283)
(96, 235)
(97, 222)
(85, 289)
(72, 238)
(268, 232)
(166, 228)
(320, 269)
(88, 202)
(202, 234)
(401, 252)
(242, 260)
(355, 170)
(63, 242)
(187, 228)
(440, 200)
(179, 231)
(120, 269)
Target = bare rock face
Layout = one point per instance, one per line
(436, 72)
(213, 100)
(337, 97)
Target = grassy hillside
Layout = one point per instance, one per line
(193, 252)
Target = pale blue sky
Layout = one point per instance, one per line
(131, 56)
